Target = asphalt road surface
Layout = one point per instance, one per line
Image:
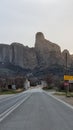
(39, 112)
(10, 101)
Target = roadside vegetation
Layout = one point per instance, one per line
(10, 91)
(58, 86)
(69, 94)
(6, 85)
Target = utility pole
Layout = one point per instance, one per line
(67, 88)
(66, 63)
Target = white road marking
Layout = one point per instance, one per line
(11, 109)
(12, 96)
(68, 105)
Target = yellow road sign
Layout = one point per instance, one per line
(68, 77)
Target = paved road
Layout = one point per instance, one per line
(8, 102)
(39, 112)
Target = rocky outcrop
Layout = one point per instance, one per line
(5, 53)
(48, 53)
(66, 58)
(30, 60)
(43, 55)
(18, 54)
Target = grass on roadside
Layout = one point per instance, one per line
(60, 93)
(70, 94)
(11, 91)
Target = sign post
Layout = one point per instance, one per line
(68, 79)
(66, 84)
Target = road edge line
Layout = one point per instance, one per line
(67, 104)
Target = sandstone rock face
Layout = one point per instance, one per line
(66, 56)
(47, 52)
(17, 54)
(5, 53)
(22, 56)
(72, 57)
(30, 60)
(44, 54)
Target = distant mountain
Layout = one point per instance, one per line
(45, 57)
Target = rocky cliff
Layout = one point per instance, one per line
(44, 55)
(48, 53)
(19, 55)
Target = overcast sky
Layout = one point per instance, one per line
(21, 19)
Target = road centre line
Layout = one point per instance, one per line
(10, 97)
(11, 109)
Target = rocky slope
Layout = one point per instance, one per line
(44, 55)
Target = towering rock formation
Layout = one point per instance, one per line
(5, 53)
(30, 60)
(47, 52)
(22, 56)
(44, 55)
(66, 56)
(18, 54)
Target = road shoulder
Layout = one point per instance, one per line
(68, 101)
